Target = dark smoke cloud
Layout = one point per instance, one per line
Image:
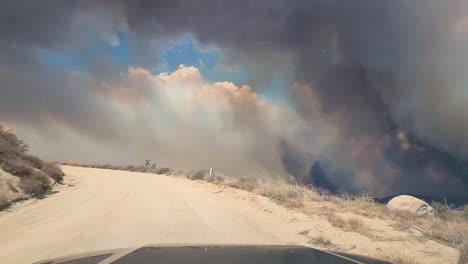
(380, 85)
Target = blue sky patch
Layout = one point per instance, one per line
(59, 60)
(187, 53)
(184, 51)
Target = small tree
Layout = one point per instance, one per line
(11, 138)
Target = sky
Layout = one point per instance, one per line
(364, 95)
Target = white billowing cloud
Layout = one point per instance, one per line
(180, 120)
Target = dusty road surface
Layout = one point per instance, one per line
(102, 209)
(111, 209)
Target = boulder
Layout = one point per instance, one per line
(410, 204)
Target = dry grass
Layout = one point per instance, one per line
(397, 258)
(216, 179)
(53, 171)
(453, 232)
(37, 184)
(17, 167)
(34, 161)
(322, 242)
(450, 225)
(336, 220)
(4, 203)
(33, 173)
(243, 183)
(361, 204)
(351, 224)
(280, 191)
(166, 171)
(198, 175)
(404, 221)
(463, 259)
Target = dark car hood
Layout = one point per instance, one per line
(208, 254)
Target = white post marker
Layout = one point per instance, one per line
(211, 172)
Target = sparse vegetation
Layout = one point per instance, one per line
(53, 171)
(9, 137)
(17, 167)
(449, 226)
(198, 175)
(280, 191)
(351, 224)
(243, 183)
(463, 258)
(361, 204)
(322, 242)
(453, 232)
(34, 161)
(446, 212)
(37, 184)
(4, 203)
(163, 171)
(34, 173)
(397, 258)
(405, 221)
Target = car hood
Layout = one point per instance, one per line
(207, 254)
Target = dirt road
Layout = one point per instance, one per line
(112, 209)
(103, 209)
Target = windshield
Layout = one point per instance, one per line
(334, 125)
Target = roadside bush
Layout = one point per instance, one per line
(17, 167)
(361, 204)
(215, 178)
(53, 171)
(163, 170)
(37, 184)
(130, 168)
(198, 175)
(244, 183)
(218, 178)
(139, 169)
(7, 151)
(13, 140)
(34, 161)
(3, 202)
(280, 191)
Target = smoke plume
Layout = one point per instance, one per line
(379, 98)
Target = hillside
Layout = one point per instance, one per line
(22, 175)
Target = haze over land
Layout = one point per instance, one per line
(376, 91)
